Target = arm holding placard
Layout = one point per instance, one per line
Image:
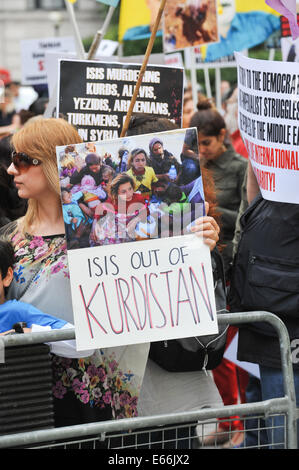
(252, 184)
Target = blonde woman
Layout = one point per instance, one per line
(41, 275)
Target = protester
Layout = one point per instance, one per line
(11, 206)
(41, 275)
(7, 109)
(163, 391)
(267, 255)
(23, 96)
(13, 312)
(228, 169)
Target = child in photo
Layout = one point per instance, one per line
(108, 174)
(175, 200)
(73, 216)
(143, 175)
(116, 219)
(92, 194)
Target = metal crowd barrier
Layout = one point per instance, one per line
(125, 433)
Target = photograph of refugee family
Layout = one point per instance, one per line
(131, 188)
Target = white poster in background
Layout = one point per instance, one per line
(33, 57)
(268, 121)
(199, 58)
(106, 49)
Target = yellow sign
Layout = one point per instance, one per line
(135, 18)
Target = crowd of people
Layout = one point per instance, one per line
(46, 209)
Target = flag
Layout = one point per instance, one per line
(135, 21)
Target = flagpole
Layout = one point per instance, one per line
(143, 68)
(100, 34)
(79, 45)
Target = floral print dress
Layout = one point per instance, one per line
(105, 382)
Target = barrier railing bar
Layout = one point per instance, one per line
(288, 402)
(45, 435)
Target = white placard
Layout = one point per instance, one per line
(268, 121)
(142, 292)
(33, 57)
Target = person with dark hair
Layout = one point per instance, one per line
(15, 311)
(144, 123)
(228, 169)
(11, 206)
(163, 391)
(92, 168)
(162, 160)
(38, 107)
(5, 151)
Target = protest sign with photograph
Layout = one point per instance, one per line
(33, 57)
(268, 121)
(95, 96)
(188, 23)
(138, 273)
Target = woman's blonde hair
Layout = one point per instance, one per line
(39, 140)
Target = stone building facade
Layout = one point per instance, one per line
(31, 19)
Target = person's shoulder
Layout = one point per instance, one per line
(239, 160)
(237, 156)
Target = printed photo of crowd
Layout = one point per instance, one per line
(130, 189)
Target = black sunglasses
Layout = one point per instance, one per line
(22, 161)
